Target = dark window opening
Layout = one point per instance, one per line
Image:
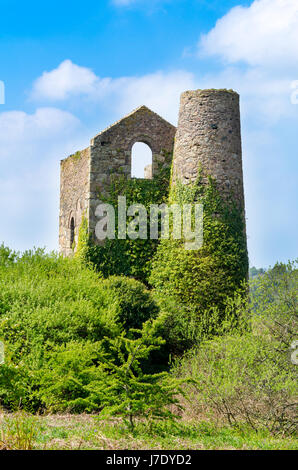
(72, 232)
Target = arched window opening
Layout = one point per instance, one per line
(141, 161)
(72, 232)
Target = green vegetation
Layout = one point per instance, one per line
(248, 376)
(207, 277)
(254, 272)
(128, 391)
(128, 257)
(55, 318)
(80, 432)
(76, 342)
(142, 334)
(193, 287)
(201, 283)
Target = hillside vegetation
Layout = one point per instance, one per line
(76, 342)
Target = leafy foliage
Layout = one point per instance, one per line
(7, 256)
(201, 281)
(274, 301)
(248, 376)
(129, 257)
(136, 302)
(131, 393)
(184, 328)
(54, 315)
(254, 272)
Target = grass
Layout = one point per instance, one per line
(73, 432)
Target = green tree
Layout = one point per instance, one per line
(128, 391)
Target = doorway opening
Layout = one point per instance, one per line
(72, 232)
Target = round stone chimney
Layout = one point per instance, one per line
(208, 136)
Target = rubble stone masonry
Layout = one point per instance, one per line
(208, 137)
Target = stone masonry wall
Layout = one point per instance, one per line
(148, 172)
(209, 135)
(111, 151)
(87, 174)
(74, 196)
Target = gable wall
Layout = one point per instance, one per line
(111, 151)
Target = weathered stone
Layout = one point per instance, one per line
(74, 193)
(148, 172)
(87, 174)
(208, 136)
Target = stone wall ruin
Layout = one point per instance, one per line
(87, 174)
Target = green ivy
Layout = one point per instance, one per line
(83, 240)
(204, 279)
(129, 257)
(196, 281)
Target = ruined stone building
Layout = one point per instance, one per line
(207, 136)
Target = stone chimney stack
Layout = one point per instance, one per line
(208, 136)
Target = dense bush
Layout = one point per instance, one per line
(135, 302)
(185, 329)
(54, 314)
(77, 341)
(129, 391)
(201, 282)
(245, 378)
(249, 376)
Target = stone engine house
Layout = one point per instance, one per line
(208, 136)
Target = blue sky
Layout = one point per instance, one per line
(72, 68)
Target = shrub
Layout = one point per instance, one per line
(128, 390)
(274, 302)
(204, 279)
(248, 375)
(245, 378)
(7, 256)
(184, 329)
(135, 302)
(71, 377)
(53, 310)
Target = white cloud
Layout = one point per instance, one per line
(265, 95)
(265, 33)
(264, 98)
(258, 45)
(31, 146)
(158, 90)
(44, 123)
(66, 80)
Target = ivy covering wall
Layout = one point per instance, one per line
(193, 287)
(127, 257)
(201, 278)
(208, 276)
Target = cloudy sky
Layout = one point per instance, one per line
(71, 68)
